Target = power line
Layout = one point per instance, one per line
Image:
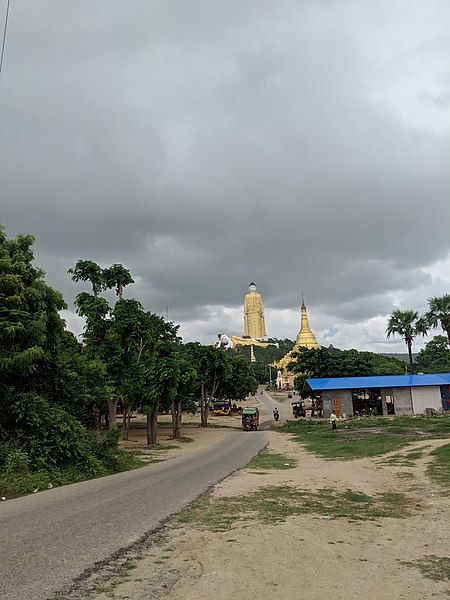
(4, 36)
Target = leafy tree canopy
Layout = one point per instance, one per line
(439, 313)
(332, 362)
(48, 384)
(435, 357)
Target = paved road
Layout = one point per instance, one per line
(49, 539)
(269, 404)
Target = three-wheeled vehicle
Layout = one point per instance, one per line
(298, 409)
(250, 419)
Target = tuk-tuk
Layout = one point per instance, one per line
(250, 419)
(298, 409)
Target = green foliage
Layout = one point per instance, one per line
(371, 437)
(436, 568)
(117, 277)
(332, 362)
(265, 357)
(241, 382)
(435, 357)
(275, 504)
(29, 319)
(163, 375)
(439, 469)
(49, 435)
(386, 365)
(88, 270)
(439, 313)
(407, 324)
(49, 383)
(16, 461)
(213, 371)
(271, 460)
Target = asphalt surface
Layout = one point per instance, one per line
(50, 539)
(284, 408)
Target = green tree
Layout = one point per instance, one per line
(435, 357)
(35, 366)
(117, 277)
(213, 369)
(163, 376)
(77, 383)
(385, 365)
(111, 334)
(332, 362)
(241, 381)
(266, 356)
(184, 395)
(88, 270)
(439, 313)
(406, 324)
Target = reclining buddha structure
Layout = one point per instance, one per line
(305, 339)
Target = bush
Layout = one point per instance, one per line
(17, 461)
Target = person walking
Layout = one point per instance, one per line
(333, 421)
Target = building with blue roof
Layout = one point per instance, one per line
(383, 395)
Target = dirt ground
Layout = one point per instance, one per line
(307, 556)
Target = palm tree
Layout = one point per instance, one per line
(439, 313)
(408, 325)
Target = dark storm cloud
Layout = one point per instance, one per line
(204, 145)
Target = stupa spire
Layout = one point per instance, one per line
(305, 336)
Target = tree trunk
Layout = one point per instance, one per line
(411, 361)
(97, 417)
(126, 420)
(176, 419)
(124, 425)
(112, 410)
(204, 407)
(152, 427)
(129, 415)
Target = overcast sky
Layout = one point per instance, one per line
(302, 145)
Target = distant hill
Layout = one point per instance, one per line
(403, 356)
(399, 356)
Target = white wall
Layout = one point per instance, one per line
(426, 397)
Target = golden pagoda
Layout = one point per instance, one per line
(305, 339)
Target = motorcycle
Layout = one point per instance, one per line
(276, 415)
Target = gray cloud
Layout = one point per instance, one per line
(204, 145)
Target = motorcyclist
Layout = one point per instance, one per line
(276, 414)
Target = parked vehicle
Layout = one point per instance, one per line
(250, 419)
(221, 407)
(298, 409)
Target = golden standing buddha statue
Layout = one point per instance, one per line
(254, 324)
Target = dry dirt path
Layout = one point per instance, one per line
(60, 535)
(304, 556)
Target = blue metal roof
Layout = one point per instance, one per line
(381, 381)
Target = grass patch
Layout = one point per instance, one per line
(436, 568)
(185, 440)
(274, 504)
(15, 484)
(268, 460)
(439, 469)
(366, 438)
(403, 460)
